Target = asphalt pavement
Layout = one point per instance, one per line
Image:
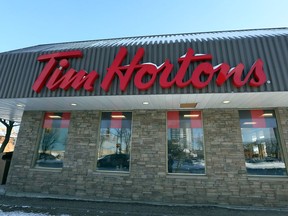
(52, 206)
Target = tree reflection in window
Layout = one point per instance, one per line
(115, 139)
(53, 142)
(185, 142)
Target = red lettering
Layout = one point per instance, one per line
(46, 72)
(71, 78)
(259, 77)
(167, 68)
(52, 84)
(224, 72)
(149, 70)
(116, 69)
(185, 62)
(145, 73)
(258, 72)
(82, 78)
(207, 70)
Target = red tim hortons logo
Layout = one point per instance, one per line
(57, 72)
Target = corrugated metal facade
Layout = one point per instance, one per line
(20, 68)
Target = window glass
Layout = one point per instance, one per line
(115, 141)
(13, 137)
(261, 143)
(53, 141)
(185, 142)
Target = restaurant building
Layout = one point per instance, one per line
(198, 118)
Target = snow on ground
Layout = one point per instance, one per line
(19, 213)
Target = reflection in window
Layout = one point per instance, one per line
(185, 142)
(260, 139)
(115, 139)
(13, 137)
(54, 136)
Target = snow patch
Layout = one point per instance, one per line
(20, 213)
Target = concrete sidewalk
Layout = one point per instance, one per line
(52, 206)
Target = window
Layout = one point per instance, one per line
(115, 141)
(13, 137)
(53, 141)
(185, 142)
(262, 149)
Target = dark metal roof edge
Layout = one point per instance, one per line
(28, 49)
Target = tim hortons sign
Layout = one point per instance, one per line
(57, 72)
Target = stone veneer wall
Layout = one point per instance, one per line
(225, 182)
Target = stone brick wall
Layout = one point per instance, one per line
(225, 182)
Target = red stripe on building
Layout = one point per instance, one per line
(196, 119)
(258, 118)
(65, 120)
(173, 119)
(48, 121)
(116, 119)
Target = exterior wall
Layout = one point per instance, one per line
(225, 181)
(232, 47)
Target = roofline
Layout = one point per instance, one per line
(147, 36)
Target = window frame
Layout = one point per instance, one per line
(40, 137)
(187, 174)
(278, 136)
(98, 146)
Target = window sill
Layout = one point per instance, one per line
(112, 173)
(183, 175)
(46, 169)
(267, 177)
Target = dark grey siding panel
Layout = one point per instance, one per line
(19, 70)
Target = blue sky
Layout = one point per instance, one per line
(32, 22)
